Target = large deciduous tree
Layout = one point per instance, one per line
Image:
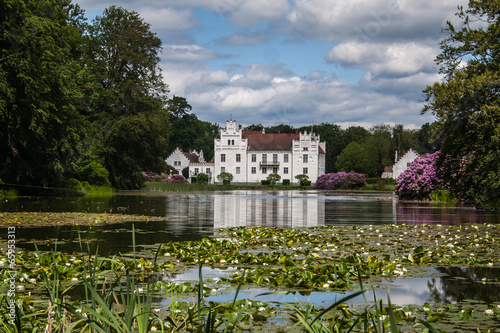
(189, 132)
(43, 87)
(130, 106)
(353, 158)
(467, 103)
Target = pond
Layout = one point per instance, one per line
(192, 216)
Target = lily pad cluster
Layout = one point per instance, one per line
(321, 259)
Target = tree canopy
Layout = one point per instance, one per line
(67, 88)
(466, 104)
(43, 91)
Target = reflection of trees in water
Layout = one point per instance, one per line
(465, 283)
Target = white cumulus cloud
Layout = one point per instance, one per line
(385, 59)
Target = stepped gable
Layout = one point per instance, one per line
(192, 156)
(269, 141)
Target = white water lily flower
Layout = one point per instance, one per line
(261, 309)
(213, 291)
(407, 314)
(426, 309)
(326, 285)
(33, 281)
(490, 264)
(153, 328)
(488, 312)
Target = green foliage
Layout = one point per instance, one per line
(225, 178)
(85, 83)
(265, 182)
(303, 180)
(92, 171)
(124, 57)
(133, 146)
(377, 147)
(273, 178)
(202, 178)
(353, 158)
(188, 132)
(286, 182)
(170, 170)
(42, 91)
(185, 172)
(467, 103)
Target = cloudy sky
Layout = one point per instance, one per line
(349, 62)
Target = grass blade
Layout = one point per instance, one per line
(392, 318)
(429, 326)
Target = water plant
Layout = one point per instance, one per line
(118, 290)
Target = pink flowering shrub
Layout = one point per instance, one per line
(459, 175)
(177, 179)
(340, 180)
(163, 177)
(420, 179)
(429, 174)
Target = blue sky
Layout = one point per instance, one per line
(349, 62)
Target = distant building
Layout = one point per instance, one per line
(180, 159)
(250, 156)
(401, 164)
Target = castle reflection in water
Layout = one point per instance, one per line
(295, 209)
(285, 209)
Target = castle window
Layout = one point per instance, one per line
(238, 157)
(223, 157)
(285, 158)
(305, 158)
(254, 157)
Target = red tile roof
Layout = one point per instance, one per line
(269, 141)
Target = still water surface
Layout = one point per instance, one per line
(192, 216)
